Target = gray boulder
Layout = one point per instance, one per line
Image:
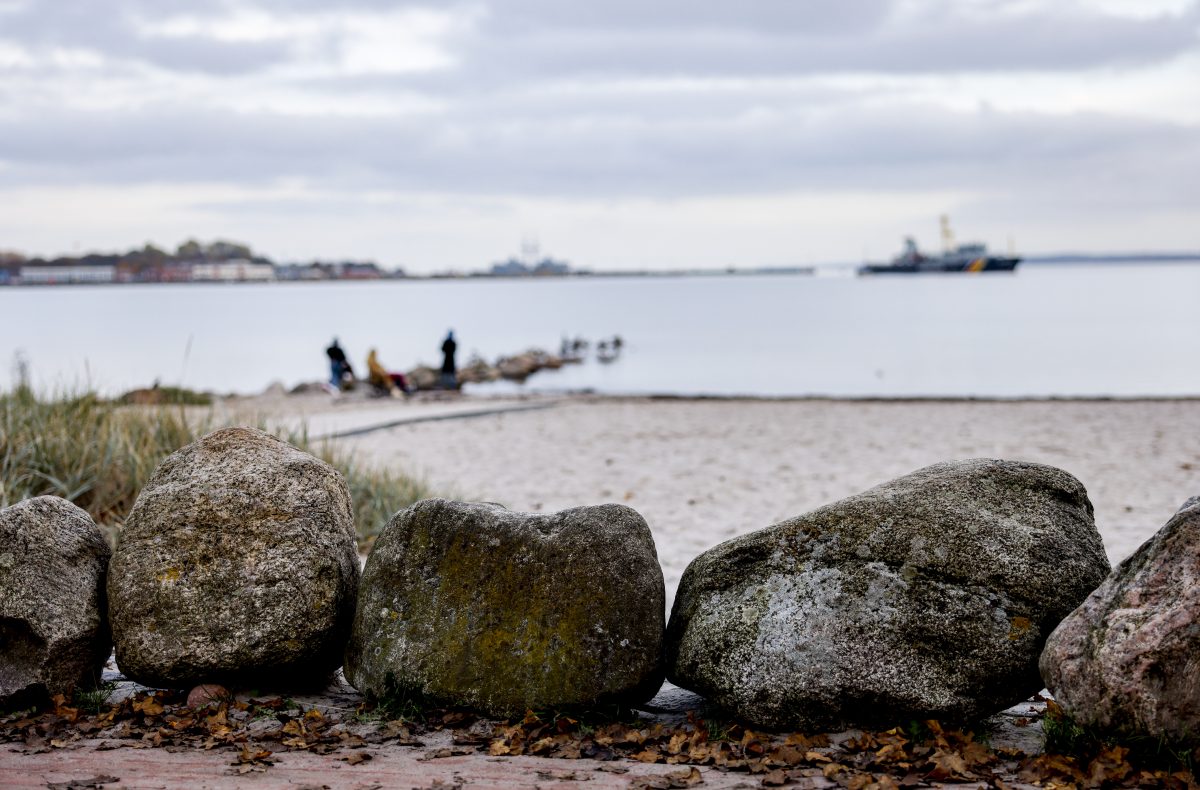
(53, 633)
(1128, 659)
(237, 565)
(474, 605)
(927, 597)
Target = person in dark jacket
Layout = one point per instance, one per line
(339, 366)
(449, 369)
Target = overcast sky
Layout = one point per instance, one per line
(622, 133)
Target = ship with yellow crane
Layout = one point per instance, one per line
(970, 258)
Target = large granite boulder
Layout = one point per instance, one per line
(53, 632)
(474, 605)
(237, 565)
(1128, 659)
(927, 597)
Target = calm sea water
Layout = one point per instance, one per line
(1045, 331)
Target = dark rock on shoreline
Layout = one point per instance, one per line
(237, 564)
(927, 597)
(53, 633)
(1128, 660)
(474, 605)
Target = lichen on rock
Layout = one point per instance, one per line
(926, 597)
(475, 605)
(1127, 661)
(54, 634)
(237, 565)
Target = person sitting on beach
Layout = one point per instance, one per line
(341, 375)
(384, 381)
(449, 378)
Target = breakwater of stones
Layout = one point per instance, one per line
(950, 593)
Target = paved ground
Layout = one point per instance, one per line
(392, 767)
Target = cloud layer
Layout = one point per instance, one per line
(1079, 112)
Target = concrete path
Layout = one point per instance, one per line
(82, 767)
(326, 418)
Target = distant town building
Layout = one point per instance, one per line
(69, 274)
(220, 261)
(551, 267)
(165, 272)
(300, 271)
(351, 270)
(343, 270)
(546, 267)
(10, 267)
(238, 270)
(510, 268)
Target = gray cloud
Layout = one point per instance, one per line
(113, 32)
(516, 39)
(544, 98)
(658, 155)
(680, 37)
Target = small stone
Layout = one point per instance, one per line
(474, 605)
(53, 634)
(926, 597)
(207, 693)
(237, 564)
(1126, 660)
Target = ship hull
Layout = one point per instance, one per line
(991, 263)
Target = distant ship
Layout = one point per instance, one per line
(968, 258)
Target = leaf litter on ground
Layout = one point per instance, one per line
(260, 732)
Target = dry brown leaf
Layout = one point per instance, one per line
(807, 742)
(947, 765)
(689, 777)
(148, 705)
(542, 745)
(858, 781)
(830, 770)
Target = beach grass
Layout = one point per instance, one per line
(98, 454)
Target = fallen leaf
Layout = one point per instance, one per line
(688, 777)
(148, 705)
(947, 765)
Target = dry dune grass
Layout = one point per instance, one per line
(98, 454)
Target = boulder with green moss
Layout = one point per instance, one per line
(477, 606)
(53, 631)
(927, 597)
(237, 565)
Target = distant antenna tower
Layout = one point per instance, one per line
(530, 251)
(947, 234)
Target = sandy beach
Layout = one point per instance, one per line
(700, 471)
(703, 471)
